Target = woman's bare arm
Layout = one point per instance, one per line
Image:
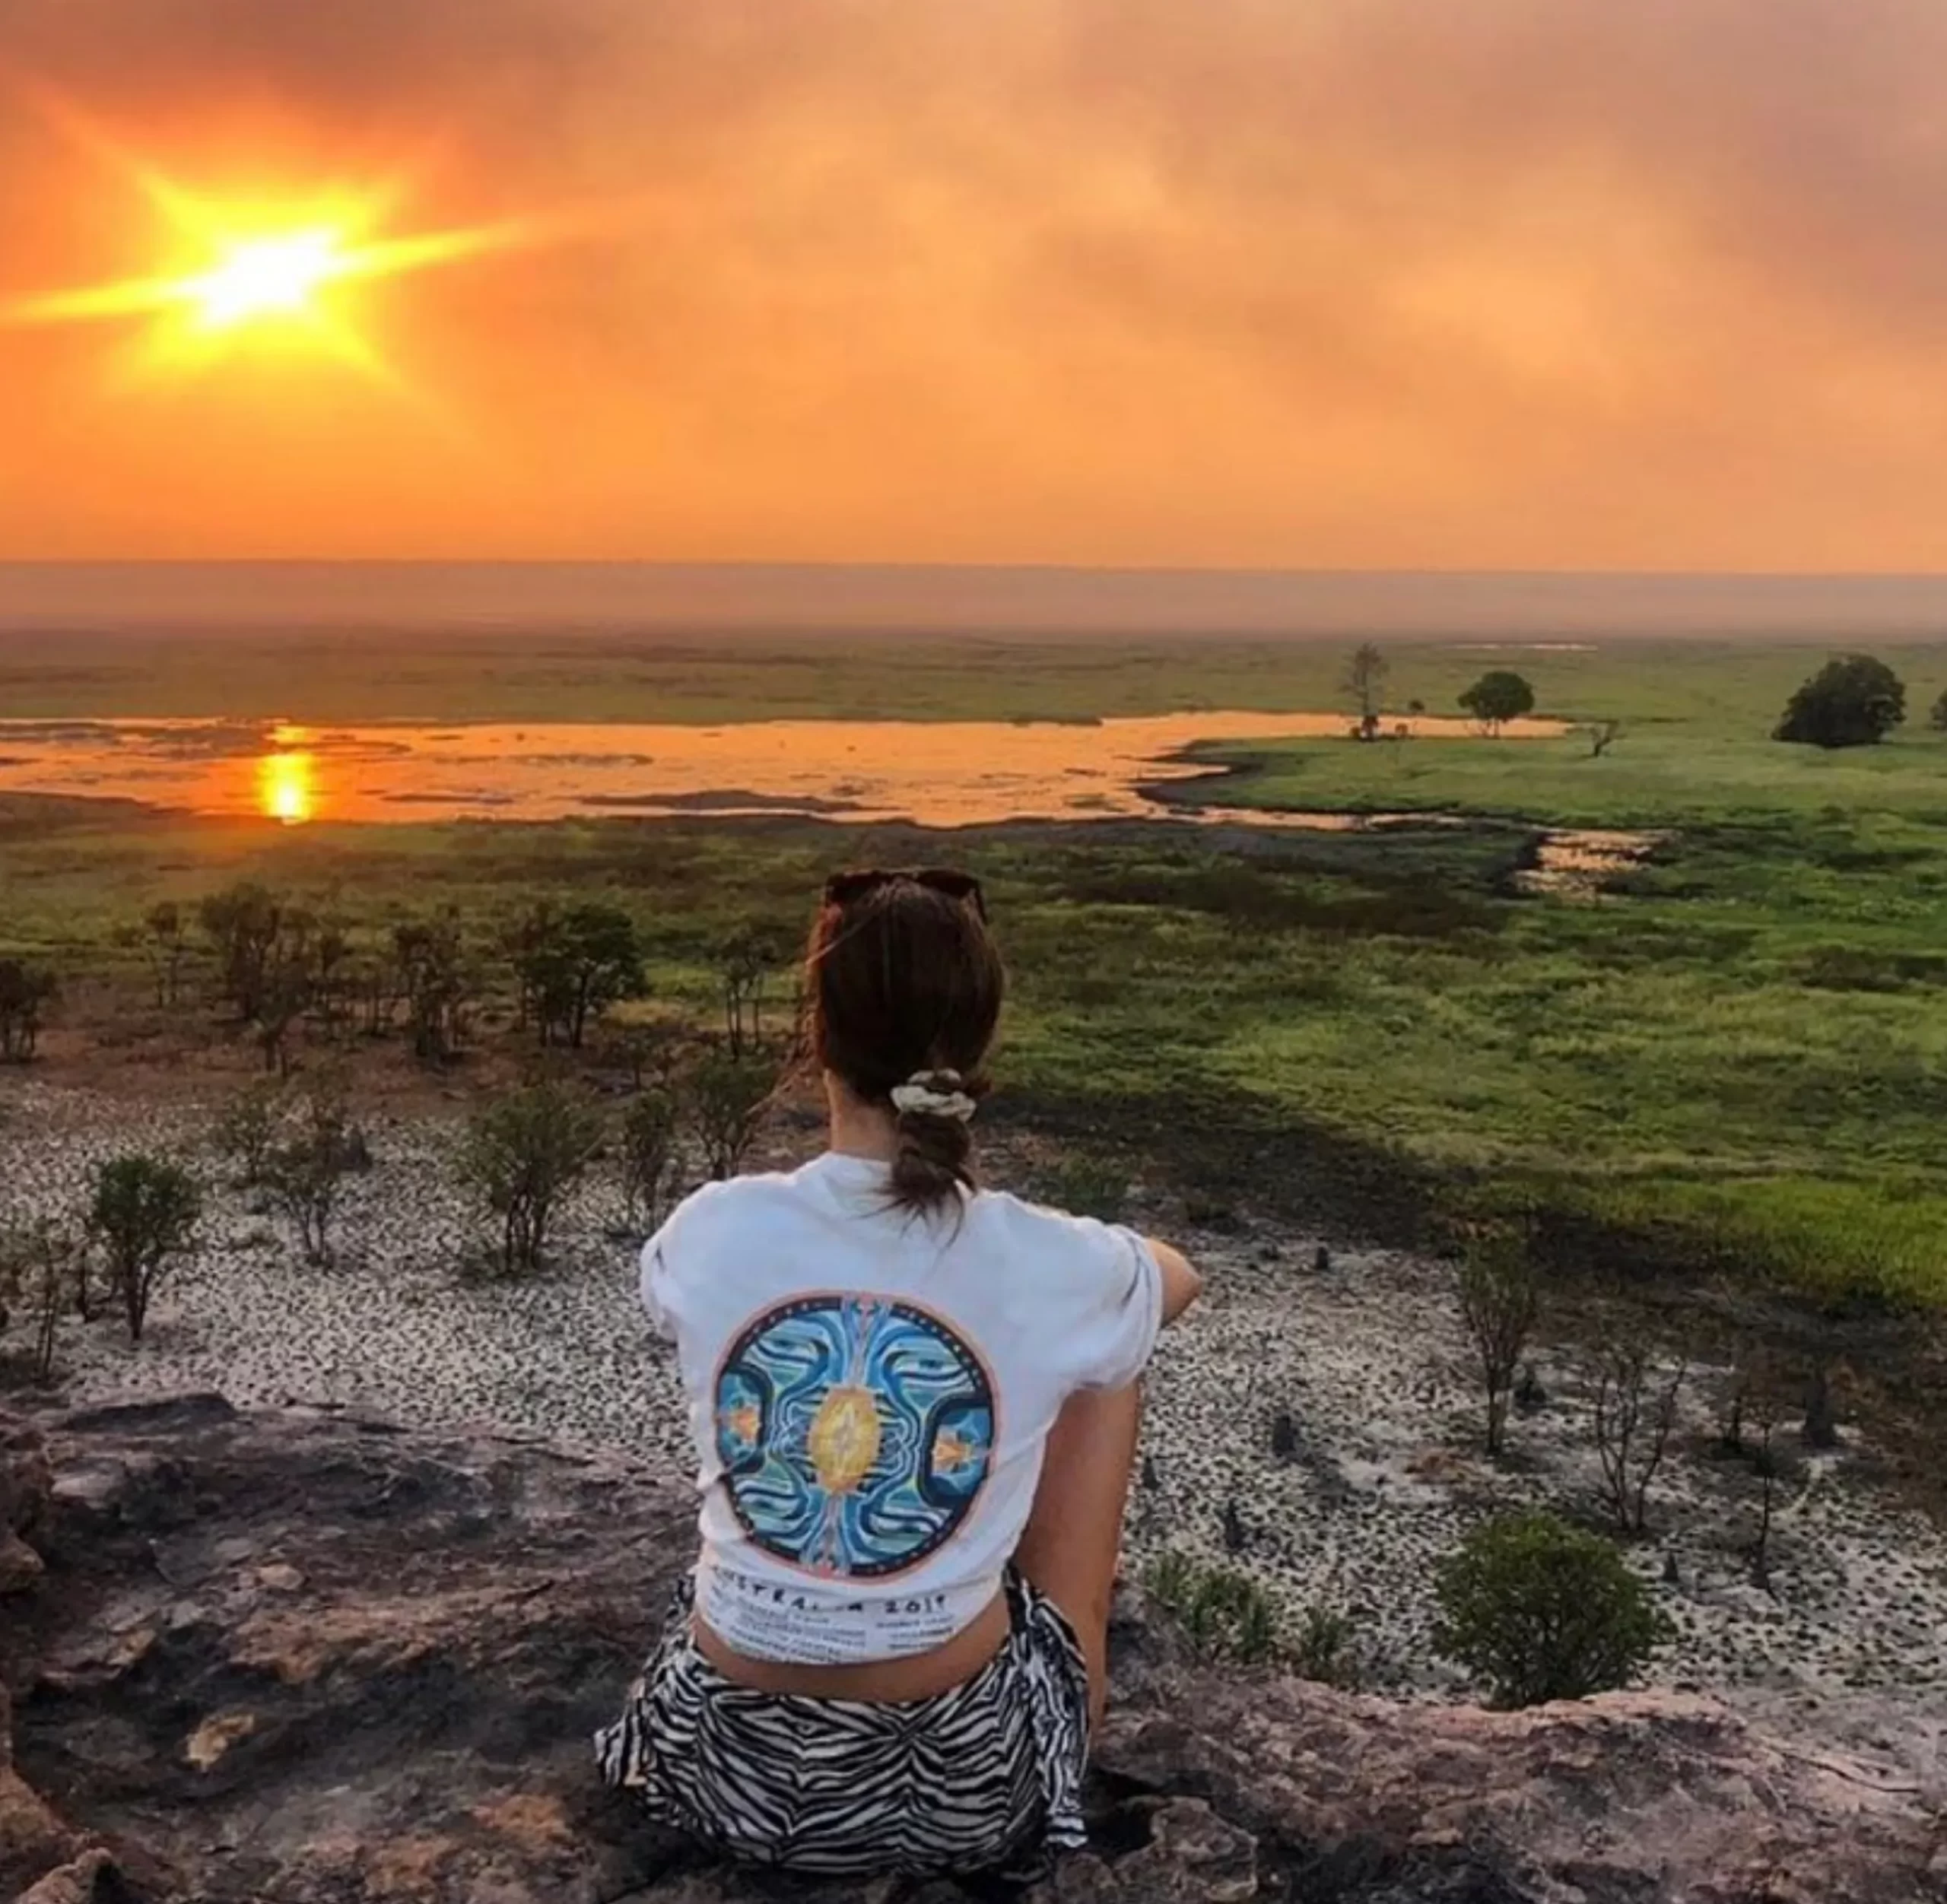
(1181, 1283)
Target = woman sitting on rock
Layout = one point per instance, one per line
(915, 1407)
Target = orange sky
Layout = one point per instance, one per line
(1345, 283)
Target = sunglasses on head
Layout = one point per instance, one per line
(843, 888)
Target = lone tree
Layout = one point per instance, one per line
(1759, 1400)
(1365, 682)
(243, 923)
(25, 990)
(37, 1269)
(430, 966)
(1541, 1610)
(651, 1170)
(521, 1157)
(744, 958)
(1497, 697)
(1635, 1417)
(331, 969)
(1500, 1299)
(143, 1216)
(1854, 700)
(287, 987)
(166, 945)
(1937, 719)
(303, 1169)
(246, 1127)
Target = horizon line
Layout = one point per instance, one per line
(837, 565)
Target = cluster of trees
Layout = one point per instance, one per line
(1533, 1607)
(523, 1155)
(278, 963)
(1638, 1388)
(1854, 700)
(294, 1143)
(1499, 696)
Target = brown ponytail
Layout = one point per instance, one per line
(903, 988)
(935, 1154)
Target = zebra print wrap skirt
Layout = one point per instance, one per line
(985, 1777)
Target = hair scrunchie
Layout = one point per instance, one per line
(933, 1093)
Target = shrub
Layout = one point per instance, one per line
(246, 1128)
(722, 1098)
(1325, 1648)
(304, 1166)
(1854, 700)
(1937, 718)
(26, 989)
(143, 1216)
(650, 1168)
(521, 1157)
(650, 1052)
(1500, 1299)
(1224, 1612)
(1498, 697)
(1540, 1610)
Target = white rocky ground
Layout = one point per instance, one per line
(1849, 1644)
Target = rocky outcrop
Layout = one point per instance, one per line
(305, 1658)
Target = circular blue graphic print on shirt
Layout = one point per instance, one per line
(856, 1433)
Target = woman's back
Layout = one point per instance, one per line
(870, 1393)
(914, 1404)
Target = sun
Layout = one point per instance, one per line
(286, 789)
(276, 276)
(270, 277)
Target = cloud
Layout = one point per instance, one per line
(1352, 282)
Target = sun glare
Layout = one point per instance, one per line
(267, 276)
(276, 277)
(285, 790)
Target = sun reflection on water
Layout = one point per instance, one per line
(286, 790)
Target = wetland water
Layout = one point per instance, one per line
(945, 773)
(948, 773)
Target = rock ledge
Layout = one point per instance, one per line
(304, 1656)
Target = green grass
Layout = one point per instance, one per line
(1745, 1048)
(1675, 774)
(1733, 689)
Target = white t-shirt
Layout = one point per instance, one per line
(870, 1394)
